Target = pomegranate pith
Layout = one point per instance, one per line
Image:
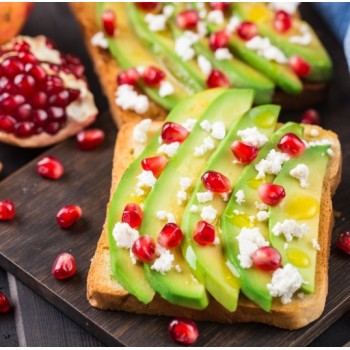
(187, 19)
(144, 249)
(64, 266)
(247, 30)
(4, 303)
(267, 259)
(183, 331)
(109, 22)
(244, 153)
(50, 167)
(204, 233)
(173, 132)
(217, 78)
(300, 67)
(90, 139)
(170, 236)
(343, 242)
(155, 164)
(271, 194)
(282, 21)
(219, 39)
(68, 215)
(310, 116)
(7, 210)
(216, 182)
(292, 145)
(153, 76)
(132, 215)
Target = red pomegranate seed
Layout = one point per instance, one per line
(40, 117)
(64, 266)
(204, 233)
(50, 44)
(155, 164)
(247, 30)
(217, 79)
(11, 66)
(216, 182)
(50, 167)
(57, 114)
(183, 331)
(21, 46)
(7, 210)
(109, 22)
(300, 67)
(4, 303)
(267, 259)
(53, 84)
(147, 6)
(244, 153)
(68, 215)
(90, 139)
(24, 112)
(292, 145)
(25, 84)
(153, 76)
(271, 194)
(170, 235)
(282, 21)
(37, 72)
(219, 39)
(39, 100)
(24, 129)
(310, 116)
(52, 128)
(7, 123)
(10, 103)
(132, 215)
(219, 6)
(144, 249)
(173, 132)
(128, 77)
(187, 19)
(343, 242)
(73, 94)
(61, 99)
(27, 57)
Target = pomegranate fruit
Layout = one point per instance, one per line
(220, 6)
(129, 77)
(267, 259)
(144, 249)
(310, 116)
(216, 182)
(153, 76)
(170, 235)
(292, 145)
(183, 331)
(7, 210)
(147, 6)
(271, 194)
(4, 303)
(64, 266)
(343, 242)
(282, 21)
(50, 167)
(300, 67)
(68, 215)
(155, 164)
(244, 153)
(204, 233)
(173, 132)
(247, 30)
(132, 215)
(217, 78)
(219, 39)
(109, 22)
(187, 19)
(90, 139)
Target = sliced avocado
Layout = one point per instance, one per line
(179, 286)
(302, 205)
(210, 265)
(132, 277)
(236, 217)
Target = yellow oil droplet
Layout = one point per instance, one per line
(255, 183)
(297, 257)
(265, 119)
(258, 12)
(241, 220)
(301, 207)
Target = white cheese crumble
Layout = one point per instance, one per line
(225, 196)
(209, 214)
(164, 262)
(315, 244)
(99, 40)
(238, 212)
(261, 206)
(323, 142)
(141, 129)
(204, 65)
(207, 145)
(204, 197)
(314, 132)
(183, 45)
(289, 7)
(216, 240)
(202, 29)
(285, 281)
(165, 215)
(262, 215)
(166, 88)
(194, 208)
(304, 39)
(285, 246)
(249, 241)
(252, 137)
(168, 10)
(132, 257)
(157, 22)
(251, 218)
(223, 54)
(205, 125)
(185, 184)
(330, 152)
(178, 268)
(145, 180)
(129, 99)
(272, 164)
(216, 17)
(218, 130)
(301, 172)
(169, 149)
(181, 197)
(290, 229)
(233, 23)
(189, 124)
(124, 235)
(240, 197)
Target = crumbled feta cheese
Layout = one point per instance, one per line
(181, 197)
(168, 10)
(194, 208)
(216, 240)
(164, 215)
(261, 206)
(249, 241)
(209, 214)
(124, 235)
(223, 54)
(185, 183)
(272, 164)
(225, 196)
(129, 99)
(204, 197)
(189, 124)
(146, 179)
(169, 149)
(314, 132)
(183, 45)
(285, 246)
(304, 39)
(251, 218)
(132, 257)
(178, 268)
(166, 88)
(240, 197)
(156, 23)
(202, 29)
(205, 125)
(301, 172)
(289, 7)
(216, 17)
(238, 212)
(330, 152)
(99, 40)
(208, 144)
(262, 215)
(204, 65)
(252, 137)
(323, 142)
(315, 244)
(164, 262)
(285, 281)
(140, 70)
(290, 229)
(233, 23)
(141, 129)
(218, 130)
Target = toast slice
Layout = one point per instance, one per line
(105, 293)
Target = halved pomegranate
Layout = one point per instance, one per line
(292, 145)
(244, 153)
(4, 303)
(64, 266)
(219, 39)
(170, 235)
(217, 78)
(300, 67)
(187, 19)
(247, 30)
(7, 210)
(271, 194)
(183, 331)
(310, 116)
(132, 215)
(144, 249)
(155, 164)
(282, 21)
(267, 259)
(216, 182)
(173, 132)
(204, 233)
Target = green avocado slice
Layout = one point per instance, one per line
(130, 276)
(208, 263)
(178, 285)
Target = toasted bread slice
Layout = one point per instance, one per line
(105, 293)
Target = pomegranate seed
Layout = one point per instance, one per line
(73, 94)
(50, 167)
(39, 100)
(183, 331)
(71, 59)
(247, 30)
(53, 84)
(60, 100)
(292, 145)
(132, 215)
(57, 114)
(7, 210)
(68, 215)
(21, 46)
(147, 6)
(52, 128)
(343, 242)
(155, 164)
(282, 21)
(217, 79)
(170, 235)
(187, 19)
(219, 6)
(24, 112)
(64, 266)
(311, 116)
(244, 153)
(25, 84)
(4, 303)
(271, 194)
(10, 103)
(204, 233)
(37, 72)
(172, 132)
(267, 259)
(129, 77)
(11, 66)
(90, 139)
(27, 57)
(7, 123)
(144, 249)
(216, 182)
(24, 129)
(50, 44)
(40, 117)
(109, 22)
(300, 67)
(153, 76)
(219, 39)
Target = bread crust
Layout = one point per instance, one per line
(105, 293)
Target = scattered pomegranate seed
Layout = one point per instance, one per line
(155, 164)
(173, 132)
(247, 30)
(50, 167)
(267, 259)
(310, 116)
(183, 331)
(132, 215)
(144, 249)
(7, 123)
(147, 6)
(109, 22)
(204, 233)
(187, 19)
(217, 79)
(244, 153)
(170, 235)
(68, 215)
(271, 194)
(282, 21)
(343, 242)
(153, 76)
(219, 6)
(216, 182)
(129, 77)
(219, 39)
(90, 139)
(300, 67)
(4, 303)
(292, 145)
(64, 266)
(7, 210)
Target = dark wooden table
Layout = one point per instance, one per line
(34, 322)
